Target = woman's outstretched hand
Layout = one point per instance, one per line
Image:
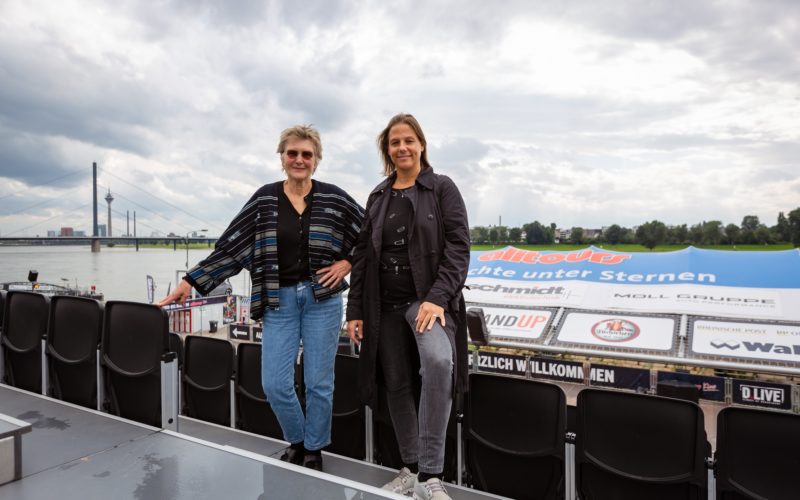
(181, 292)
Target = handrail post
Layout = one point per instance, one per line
(101, 386)
(233, 404)
(44, 367)
(368, 457)
(169, 376)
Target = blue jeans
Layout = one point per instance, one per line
(317, 325)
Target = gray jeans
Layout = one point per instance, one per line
(421, 437)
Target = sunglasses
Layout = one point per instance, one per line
(292, 154)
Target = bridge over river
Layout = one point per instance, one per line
(96, 242)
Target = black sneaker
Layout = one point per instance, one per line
(313, 461)
(293, 456)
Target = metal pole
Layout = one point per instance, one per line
(94, 198)
(169, 393)
(233, 404)
(101, 385)
(44, 367)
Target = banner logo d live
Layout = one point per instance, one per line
(763, 395)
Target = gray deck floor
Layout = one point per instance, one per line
(74, 453)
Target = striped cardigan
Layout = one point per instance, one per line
(251, 242)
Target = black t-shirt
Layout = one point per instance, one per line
(293, 240)
(397, 283)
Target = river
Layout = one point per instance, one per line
(120, 273)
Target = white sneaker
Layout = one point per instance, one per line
(402, 483)
(432, 489)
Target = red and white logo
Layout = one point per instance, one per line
(615, 330)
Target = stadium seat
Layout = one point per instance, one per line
(387, 451)
(515, 436)
(678, 389)
(347, 428)
(24, 327)
(207, 375)
(2, 309)
(476, 326)
(74, 329)
(176, 346)
(452, 444)
(134, 342)
(253, 413)
(639, 446)
(758, 454)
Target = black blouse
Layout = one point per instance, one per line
(293, 230)
(397, 283)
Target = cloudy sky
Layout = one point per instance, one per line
(581, 113)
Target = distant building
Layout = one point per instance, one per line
(80, 234)
(591, 234)
(101, 230)
(67, 231)
(51, 233)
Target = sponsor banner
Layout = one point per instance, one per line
(689, 281)
(239, 332)
(243, 313)
(712, 388)
(751, 340)
(151, 289)
(698, 300)
(688, 266)
(197, 302)
(565, 371)
(762, 394)
(257, 332)
(507, 364)
(617, 330)
(229, 309)
(524, 324)
(524, 293)
(620, 377)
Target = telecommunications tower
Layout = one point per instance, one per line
(109, 199)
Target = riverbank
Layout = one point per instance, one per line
(635, 248)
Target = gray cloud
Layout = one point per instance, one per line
(60, 93)
(636, 111)
(458, 152)
(33, 160)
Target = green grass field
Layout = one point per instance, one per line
(637, 248)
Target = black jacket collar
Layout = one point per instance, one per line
(424, 179)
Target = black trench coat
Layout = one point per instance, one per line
(439, 253)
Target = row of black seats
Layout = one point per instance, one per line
(625, 445)
(212, 372)
(131, 339)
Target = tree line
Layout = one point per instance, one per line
(650, 234)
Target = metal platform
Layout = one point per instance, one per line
(75, 453)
